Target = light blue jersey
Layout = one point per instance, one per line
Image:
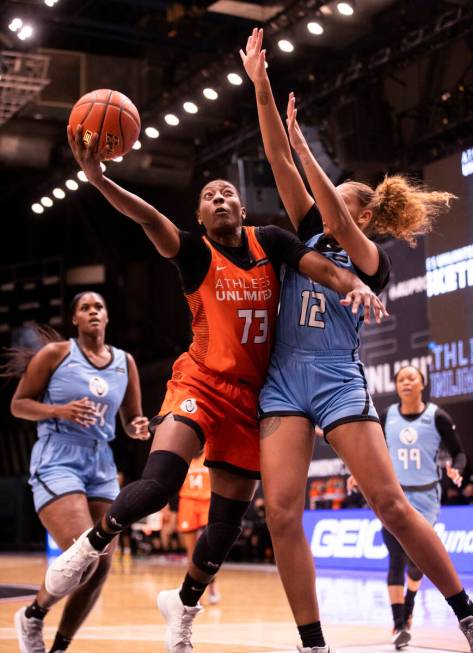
(76, 377)
(311, 317)
(315, 371)
(413, 446)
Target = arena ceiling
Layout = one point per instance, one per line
(391, 85)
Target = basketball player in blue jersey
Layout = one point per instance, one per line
(315, 376)
(415, 430)
(74, 390)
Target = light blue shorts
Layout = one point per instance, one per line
(63, 464)
(329, 388)
(427, 503)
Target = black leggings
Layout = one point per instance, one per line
(398, 560)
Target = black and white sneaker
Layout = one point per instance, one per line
(466, 626)
(401, 638)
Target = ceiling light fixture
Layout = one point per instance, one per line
(285, 46)
(345, 8)
(171, 119)
(190, 107)
(210, 94)
(151, 132)
(15, 25)
(315, 28)
(234, 79)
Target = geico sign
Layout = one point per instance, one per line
(347, 538)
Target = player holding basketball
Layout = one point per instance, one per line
(315, 376)
(193, 513)
(230, 280)
(74, 390)
(414, 431)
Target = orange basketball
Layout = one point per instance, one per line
(112, 115)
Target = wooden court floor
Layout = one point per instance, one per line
(253, 616)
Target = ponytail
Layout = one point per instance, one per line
(17, 358)
(401, 208)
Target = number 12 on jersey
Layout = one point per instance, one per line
(260, 317)
(309, 317)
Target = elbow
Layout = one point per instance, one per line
(14, 408)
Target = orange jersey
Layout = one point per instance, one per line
(234, 314)
(197, 483)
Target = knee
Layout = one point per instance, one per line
(282, 517)
(392, 509)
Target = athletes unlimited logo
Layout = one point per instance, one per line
(98, 386)
(408, 435)
(189, 406)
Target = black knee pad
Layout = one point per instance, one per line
(397, 565)
(162, 478)
(223, 529)
(413, 572)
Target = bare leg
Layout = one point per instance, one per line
(80, 603)
(363, 448)
(66, 518)
(291, 439)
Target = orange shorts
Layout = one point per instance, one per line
(222, 413)
(193, 514)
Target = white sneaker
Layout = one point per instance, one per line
(29, 633)
(179, 618)
(316, 649)
(466, 626)
(65, 573)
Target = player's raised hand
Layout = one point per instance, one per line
(254, 57)
(86, 155)
(364, 296)
(296, 137)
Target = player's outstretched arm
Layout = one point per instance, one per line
(333, 210)
(357, 294)
(292, 191)
(160, 230)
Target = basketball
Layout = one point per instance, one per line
(112, 116)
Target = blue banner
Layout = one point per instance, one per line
(351, 539)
